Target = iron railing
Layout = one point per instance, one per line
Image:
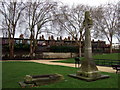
(106, 62)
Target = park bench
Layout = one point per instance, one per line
(116, 67)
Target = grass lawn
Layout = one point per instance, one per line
(15, 71)
(113, 56)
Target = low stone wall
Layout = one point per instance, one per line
(59, 55)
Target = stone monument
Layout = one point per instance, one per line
(88, 70)
(39, 80)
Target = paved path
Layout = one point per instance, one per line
(100, 68)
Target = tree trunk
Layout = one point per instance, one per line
(11, 48)
(110, 47)
(34, 45)
(31, 48)
(80, 53)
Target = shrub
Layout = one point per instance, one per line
(21, 46)
(64, 49)
(26, 46)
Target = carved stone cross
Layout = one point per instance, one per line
(88, 70)
(88, 66)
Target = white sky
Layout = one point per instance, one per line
(90, 3)
(85, 2)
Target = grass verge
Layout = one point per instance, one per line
(13, 72)
(112, 56)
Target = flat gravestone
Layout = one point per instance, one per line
(38, 80)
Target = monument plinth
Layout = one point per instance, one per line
(88, 70)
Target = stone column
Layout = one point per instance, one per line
(88, 67)
(88, 70)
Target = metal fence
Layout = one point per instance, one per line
(106, 62)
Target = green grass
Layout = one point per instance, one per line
(113, 56)
(13, 72)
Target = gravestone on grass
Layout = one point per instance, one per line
(88, 70)
(39, 80)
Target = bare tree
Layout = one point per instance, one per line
(71, 20)
(3, 28)
(118, 25)
(11, 13)
(38, 15)
(105, 22)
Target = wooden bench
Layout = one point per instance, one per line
(116, 67)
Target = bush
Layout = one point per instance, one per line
(26, 46)
(5, 47)
(21, 46)
(17, 47)
(64, 49)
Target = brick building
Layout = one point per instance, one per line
(97, 46)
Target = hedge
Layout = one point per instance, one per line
(64, 49)
(18, 47)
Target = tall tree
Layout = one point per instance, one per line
(11, 13)
(105, 22)
(118, 20)
(70, 20)
(3, 29)
(38, 15)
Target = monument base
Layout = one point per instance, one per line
(88, 79)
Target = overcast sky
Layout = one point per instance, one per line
(85, 2)
(88, 2)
